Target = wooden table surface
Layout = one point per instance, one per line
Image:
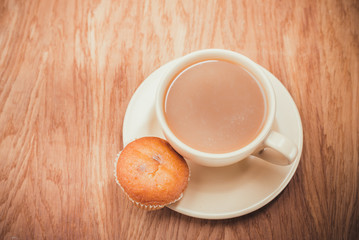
(69, 68)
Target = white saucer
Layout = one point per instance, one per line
(225, 192)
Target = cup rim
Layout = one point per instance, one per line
(216, 54)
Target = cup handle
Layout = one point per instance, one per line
(281, 144)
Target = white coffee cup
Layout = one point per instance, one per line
(267, 138)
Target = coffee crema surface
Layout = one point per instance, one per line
(215, 106)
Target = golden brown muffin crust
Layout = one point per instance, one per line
(151, 172)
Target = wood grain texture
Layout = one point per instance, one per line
(68, 70)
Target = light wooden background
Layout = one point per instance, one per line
(68, 70)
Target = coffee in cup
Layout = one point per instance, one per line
(216, 107)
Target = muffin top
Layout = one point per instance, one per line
(151, 172)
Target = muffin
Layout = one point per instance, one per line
(151, 173)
